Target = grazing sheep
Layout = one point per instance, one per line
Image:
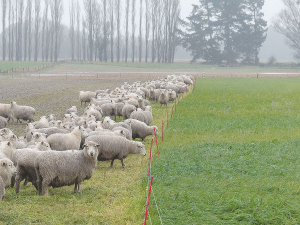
(86, 96)
(139, 115)
(6, 150)
(3, 122)
(6, 111)
(140, 129)
(59, 169)
(22, 112)
(114, 147)
(119, 108)
(7, 170)
(61, 142)
(163, 98)
(127, 110)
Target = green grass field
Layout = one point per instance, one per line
(231, 155)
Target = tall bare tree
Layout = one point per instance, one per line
(37, 9)
(147, 28)
(83, 40)
(140, 36)
(126, 29)
(9, 32)
(25, 34)
(89, 10)
(20, 30)
(133, 29)
(16, 32)
(45, 32)
(72, 28)
(78, 32)
(104, 31)
(3, 30)
(29, 8)
(57, 7)
(154, 20)
(118, 12)
(112, 28)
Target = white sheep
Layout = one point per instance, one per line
(114, 147)
(140, 129)
(61, 142)
(7, 170)
(163, 98)
(22, 112)
(3, 122)
(86, 96)
(127, 110)
(6, 150)
(65, 168)
(6, 111)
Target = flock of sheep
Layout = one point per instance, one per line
(50, 155)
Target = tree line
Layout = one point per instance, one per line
(225, 31)
(106, 30)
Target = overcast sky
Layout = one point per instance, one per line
(271, 8)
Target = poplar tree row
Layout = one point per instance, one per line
(104, 30)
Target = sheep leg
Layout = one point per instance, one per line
(13, 181)
(123, 165)
(112, 163)
(20, 176)
(26, 181)
(79, 187)
(75, 187)
(45, 186)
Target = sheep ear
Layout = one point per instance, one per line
(84, 146)
(42, 142)
(8, 143)
(31, 133)
(3, 163)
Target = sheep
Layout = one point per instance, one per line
(47, 131)
(172, 95)
(24, 160)
(40, 146)
(72, 109)
(6, 150)
(70, 141)
(114, 147)
(7, 170)
(93, 135)
(86, 96)
(59, 169)
(134, 102)
(141, 103)
(128, 133)
(107, 122)
(37, 137)
(51, 117)
(22, 112)
(163, 98)
(140, 129)
(148, 113)
(108, 109)
(6, 111)
(42, 123)
(95, 113)
(15, 141)
(127, 110)
(119, 108)
(139, 115)
(3, 122)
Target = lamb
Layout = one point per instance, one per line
(86, 96)
(59, 169)
(6, 150)
(70, 141)
(22, 112)
(127, 110)
(3, 122)
(6, 111)
(114, 147)
(163, 98)
(140, 129)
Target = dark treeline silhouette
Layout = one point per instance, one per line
(100, 30)
(225, 31)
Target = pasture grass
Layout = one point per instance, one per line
(8, 65)
(231, 155)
